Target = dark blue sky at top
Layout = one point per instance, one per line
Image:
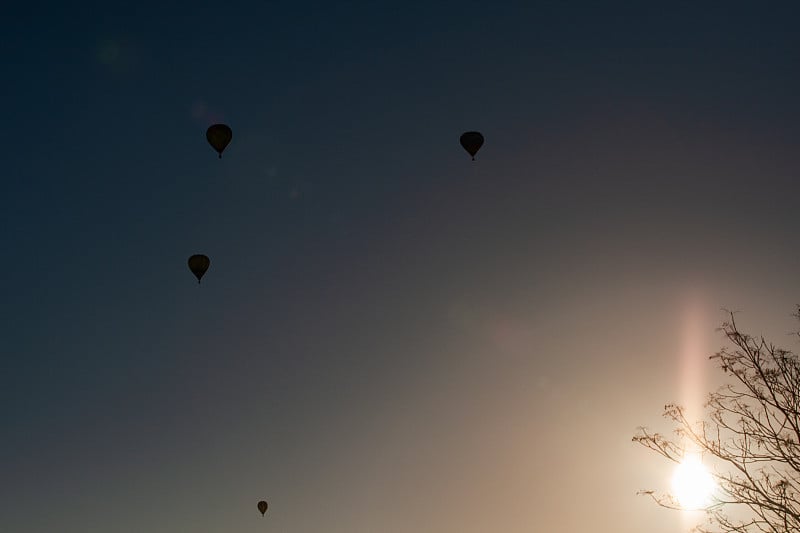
(344, 206)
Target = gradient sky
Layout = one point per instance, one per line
(391, 338)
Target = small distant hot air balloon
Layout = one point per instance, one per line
(198, 264)
(472, 142)
(262, 506)
(219, 135)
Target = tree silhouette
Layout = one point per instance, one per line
(751, 435)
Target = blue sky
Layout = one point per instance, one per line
(390, 337)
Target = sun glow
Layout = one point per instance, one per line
(692, 484)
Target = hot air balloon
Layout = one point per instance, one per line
(198, 264)
(262, 506)
(472, 142)
(219, 135)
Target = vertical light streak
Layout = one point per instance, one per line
(694, 356)
(695, 328)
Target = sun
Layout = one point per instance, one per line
(692, 484)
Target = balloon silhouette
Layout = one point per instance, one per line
(219, 135)
(198, 264)
(262, 506)
(472, 142)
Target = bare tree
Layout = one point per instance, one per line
(751, 434)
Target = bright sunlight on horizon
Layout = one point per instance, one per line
(693, 484)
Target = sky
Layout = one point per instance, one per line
(391, 337)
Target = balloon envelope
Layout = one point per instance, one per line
(262, 506)
(198, 264)
(472, 142)
(219, 135)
